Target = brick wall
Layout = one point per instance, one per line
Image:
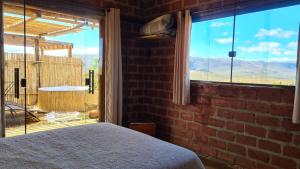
(240, 124)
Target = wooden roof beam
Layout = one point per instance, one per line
(21, 22)
(65, 31)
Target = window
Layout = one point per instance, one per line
(265, 43)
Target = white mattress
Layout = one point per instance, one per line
(94, 146)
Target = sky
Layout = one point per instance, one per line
(270, 35)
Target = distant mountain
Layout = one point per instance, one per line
(281, 70)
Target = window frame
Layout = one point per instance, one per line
(235, 14)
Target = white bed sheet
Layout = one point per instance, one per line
(96, 146)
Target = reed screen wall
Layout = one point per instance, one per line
(54, 71)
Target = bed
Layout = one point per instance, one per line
(98, 146)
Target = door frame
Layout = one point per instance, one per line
(68, 7)
(2, 64)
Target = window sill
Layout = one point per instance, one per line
(197, 82)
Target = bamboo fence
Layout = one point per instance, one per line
(54, 71)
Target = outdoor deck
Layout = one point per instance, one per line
(44, 125)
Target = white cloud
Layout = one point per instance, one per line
(224, 40)
(219, 24)
(225, 33)
(63, 52)
(292, 44)
(272, 47)
(278, 33)
(193, 53)
(290, 52)
(283, 59)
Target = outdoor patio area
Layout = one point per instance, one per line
(49, 123)
(52, 77)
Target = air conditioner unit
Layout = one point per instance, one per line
(163, 25)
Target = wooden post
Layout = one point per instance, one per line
(37, 59)
(69, 51)
(2, 62)
(102, 76)
(42, 52)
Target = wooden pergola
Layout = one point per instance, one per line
(41, 24)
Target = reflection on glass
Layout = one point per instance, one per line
(60, 51)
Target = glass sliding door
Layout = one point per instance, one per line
(15, 100)
(52, 69)
(66, 60)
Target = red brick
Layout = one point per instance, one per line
(228, 91)
(256, 106)
(200, 138)
(183, 133)
(217, 143)
(207, 150)
(281, 110)
(269, 94)
(226, 135)
(256, 131)
(267, 120)
(287, 124)
(239, 127)
(204, 100)
(194, 126)
(247, 140)
(211, 90)
(281, 136)
(216, 122)
(209, 131)
(292, 151)
(201, 118)
(186, 116)
(180, 124)
(264, 166)
(297, 139)
(247, 92)
(175, 6)
(225, 113)
(284, 163)
(258, 155)
(246, 163)
(174, 114)
(190, 3)
(270, 146)
(225, 156)
(288, 96)
(243, 116)
(236, 149)
(230, 103)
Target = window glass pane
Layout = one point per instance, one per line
(266, 45)
(210, 43)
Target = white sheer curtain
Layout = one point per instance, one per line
(296, 112)
(113, 68)
(181, 81)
